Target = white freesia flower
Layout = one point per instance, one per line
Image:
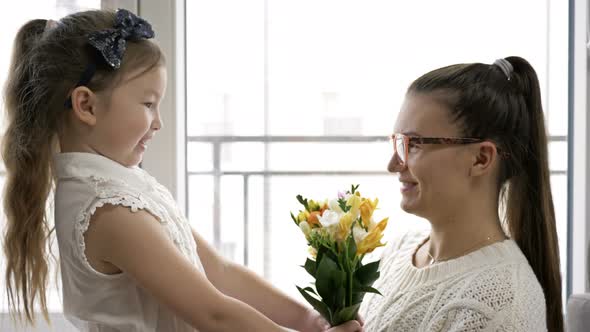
(329, 218)
(358, 233)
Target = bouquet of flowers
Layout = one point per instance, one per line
(339, 233)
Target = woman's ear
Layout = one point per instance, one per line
(84, 103)
(484, 156)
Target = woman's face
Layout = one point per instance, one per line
(435, 178)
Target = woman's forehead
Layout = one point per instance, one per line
(424, 115)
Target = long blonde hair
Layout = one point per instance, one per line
(46, 65)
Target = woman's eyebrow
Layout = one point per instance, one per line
(411, 133)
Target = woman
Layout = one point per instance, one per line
(470, 151)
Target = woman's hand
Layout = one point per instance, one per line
(314, 322)
(360, 319)
(350, 326)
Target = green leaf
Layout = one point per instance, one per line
(359, 291)
(311, 290)
(294, 219)
(339, 298)
(357, 297)
(360, 295)
(342, 203)
(367, 274)
(321, 252)
(310, 266)
(318, 305)
(303, 201)
(354, 188)
(329, 281)
(365, 289)
(346, 314)
(325, 251)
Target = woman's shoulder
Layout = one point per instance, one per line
(499, 296)
(503, 284)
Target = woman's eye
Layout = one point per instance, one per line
(412, 146)
(148, 105)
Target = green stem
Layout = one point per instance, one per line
(349, 290)
(348, 269)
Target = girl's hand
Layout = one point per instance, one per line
(312, 321)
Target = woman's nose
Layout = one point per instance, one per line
(395, 164)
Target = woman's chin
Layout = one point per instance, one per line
(406, 206)
(410, 206)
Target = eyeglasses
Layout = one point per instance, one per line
(401, 143)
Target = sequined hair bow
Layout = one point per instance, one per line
(111, 43)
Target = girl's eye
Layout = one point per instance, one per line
(412, 146)
(148, 105)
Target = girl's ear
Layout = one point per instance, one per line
(84, 103)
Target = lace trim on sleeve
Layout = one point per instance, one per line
(132, 201)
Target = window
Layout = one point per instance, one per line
(288, 97)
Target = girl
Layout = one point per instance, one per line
(470, 140)
(85, 91)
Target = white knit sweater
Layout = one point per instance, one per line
(491, 289)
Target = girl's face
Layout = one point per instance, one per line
(435, 178)
(128, 117)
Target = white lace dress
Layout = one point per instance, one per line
(491, 289)
(97, 302)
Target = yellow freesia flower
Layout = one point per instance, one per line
(344, 226)
(354, 201)
(367, 208)
(313, 205)
(302, 216)
(373, 239)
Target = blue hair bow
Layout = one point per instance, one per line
(111, 43)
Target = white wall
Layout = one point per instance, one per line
(165, 157)
(581, 166)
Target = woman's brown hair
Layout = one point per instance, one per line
(488, 103)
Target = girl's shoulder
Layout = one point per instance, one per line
(93, 174)
(86, 182)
